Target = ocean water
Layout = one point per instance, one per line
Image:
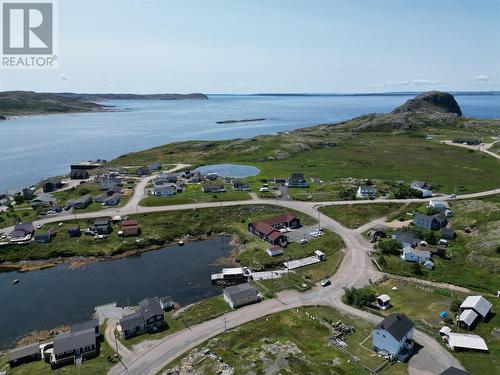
(35, 147)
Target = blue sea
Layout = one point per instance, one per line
(35, 147)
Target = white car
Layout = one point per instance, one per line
(325, 282)
(264, 189)
(4, 236)
(39, 226)
(303, 241)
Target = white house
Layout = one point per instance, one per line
(393, 336)
(477, 303)
(415, 255)
(165, 190)
(240, 295)
(366, 192)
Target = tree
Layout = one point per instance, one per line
(381, 260)
(455, 305)
(18, 198)
(347, 194)
(389, 246)
(359, 297)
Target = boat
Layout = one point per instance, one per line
(15, 281)
(181, 243)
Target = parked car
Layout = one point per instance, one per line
(264, 189)
(325, 282)
(303, 241)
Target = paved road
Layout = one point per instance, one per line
(483, 147)
(356, 269)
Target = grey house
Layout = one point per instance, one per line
(150, 317)
(154, 166)
(102, 226)
(78, 174)
(433, 222)
(240, 295)
(83, 326)
(80, 203)
(24, 354)
(113, 200)
(447, 233)
(297, 180)
(213, 187)
(73, 347)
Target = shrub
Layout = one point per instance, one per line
(359, 297)
(416, 269)
(389, 246)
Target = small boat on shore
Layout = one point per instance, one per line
(16, 281)
(181, 243)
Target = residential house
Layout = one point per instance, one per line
(467, 141)
(141, 171)
(240, 295)
(267, 233)
(423, 187)
(103, 226)
(195, 178)
(80, 203)
(165, 178)
(165, 190)
(28, 193)
(274, 250)
(51, 184)
(154, 166)
(433, 222)
(411, 254)
(113, 200)
(83, 326)
(179, 186)
(280, 180)
(213, 187)
(24, 354)
(74, 231)
(130, 227)
(44, 237)
(438, 205)
(287, 220)
(110, 183)
(240, 185)
(405, 238)
(479, 304)
(393, 336)
(211, 177)
(43, 200)
(297, 180)
(73, 347)
(22, 232)
(447, 233)
(149, 317)
(78, 174)
(235, 275)
(454, 371)
(365, 192)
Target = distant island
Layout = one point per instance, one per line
(237, 121)
(23, 103)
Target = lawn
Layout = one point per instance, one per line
(475, 256)
(95, 366)
(422, 304)
(11, 217)
(282, 343)
(157, 230)
(355, 215)
(194, 194)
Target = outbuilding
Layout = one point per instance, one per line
(24, 354)
(240, 295)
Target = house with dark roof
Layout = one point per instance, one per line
(297, 180)
(165, 178)
(44, 237)
(83, 326)
(287, 220)
(28, 193)
(434, 222)
(78, 174)
(51, 184)
(447, 233)
(454, 371)
(73, 347)
(154, 166)
(74, 231)
(102, 225)
(165, 190)
(22, 232)
(213, 187)
(112, 200)
(149, 317)
(240, 295)
(267, 233)
(239, 185)
(80, 203)
(405, 238)
(24, 354)
(393, 336)
(43, 200)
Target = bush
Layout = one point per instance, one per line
(389, 246)
(416, 269)
(359, 297)
(455, 305)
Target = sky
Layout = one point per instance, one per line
(255, 46)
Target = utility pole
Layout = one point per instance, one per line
(225, 323)
(116, 345)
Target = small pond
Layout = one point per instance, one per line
(229, 170)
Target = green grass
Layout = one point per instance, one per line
(95, 366)
(355, 215)
(204, 310)
(475, 257)
(11, 217)
(422, 304)
(194, 194)
(303, 344)
(157, 230)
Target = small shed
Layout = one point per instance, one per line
(383, 301)
(429, 264)
(275, 250)
(320, 255)
(467, 318)
(74, 231)
(447, 233)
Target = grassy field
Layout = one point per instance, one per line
(204, 310)
(282, 343)
(475, 256)
(11, 217)
(95, 366)
(157, 230)
(355, 215)
(422, 304)
(194, 194)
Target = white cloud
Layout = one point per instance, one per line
(482, 78)
(65, 77)
(425, 82)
